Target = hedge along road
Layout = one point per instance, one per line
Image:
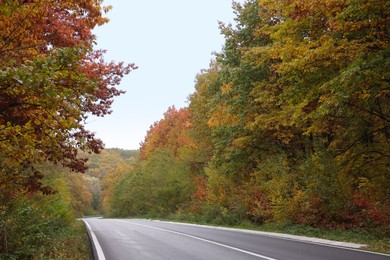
(117, 239)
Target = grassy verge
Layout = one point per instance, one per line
(71, 243)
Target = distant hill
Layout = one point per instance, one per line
(101, 164)
(125, 154)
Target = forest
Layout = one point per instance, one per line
(290, 124)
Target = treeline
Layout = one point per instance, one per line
(290, 123)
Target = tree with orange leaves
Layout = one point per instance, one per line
(167, 133)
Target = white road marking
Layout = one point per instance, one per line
(99, 250)
(202, 239)
(304, 239)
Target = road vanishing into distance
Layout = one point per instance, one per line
(117, 239)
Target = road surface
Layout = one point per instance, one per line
(118, 239)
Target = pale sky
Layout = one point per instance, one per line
(170, 41)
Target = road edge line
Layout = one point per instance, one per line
(299, 238)
(288, 237)
(96, 248)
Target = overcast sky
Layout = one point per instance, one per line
(170, 41)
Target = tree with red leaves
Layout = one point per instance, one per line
(51, 80)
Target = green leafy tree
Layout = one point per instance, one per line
(158, 186)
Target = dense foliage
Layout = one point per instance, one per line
(51, 80)
(104, 171)
(290, 123)
(36, 226)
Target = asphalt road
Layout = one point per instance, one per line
(142, 239)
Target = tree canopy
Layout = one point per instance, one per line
(51, 80)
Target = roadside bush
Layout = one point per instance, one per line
(33, 227)
(25, 229)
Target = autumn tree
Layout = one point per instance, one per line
(109, 183)
(166, 133)
(299, 113)
(155, 187)
(51, 80)
(327, 95)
